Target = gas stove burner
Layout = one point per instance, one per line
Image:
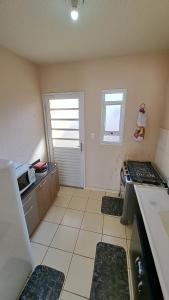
(143, 172)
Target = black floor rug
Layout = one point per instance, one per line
(44, 284)
(110, 276)
(112, 206)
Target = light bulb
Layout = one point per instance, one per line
(74, 15)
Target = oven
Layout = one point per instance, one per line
(145, 280)
(135, 172)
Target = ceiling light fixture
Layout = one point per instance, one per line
(74, 10)
(74, 14)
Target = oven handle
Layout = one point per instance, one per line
(122, 177)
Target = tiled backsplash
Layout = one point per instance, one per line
(162, 152)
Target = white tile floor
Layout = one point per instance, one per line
(66, 240)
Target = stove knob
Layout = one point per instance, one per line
(140, 287)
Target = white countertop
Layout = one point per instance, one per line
(152, 201)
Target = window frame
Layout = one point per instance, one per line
(103, 116)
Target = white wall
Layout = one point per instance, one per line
(21, 118)
(144, 77)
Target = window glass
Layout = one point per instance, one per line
(64, 114)
(63, 134)
(64, 103)
(113, 97)
(66, 143)
(112, 118)
(64, 124)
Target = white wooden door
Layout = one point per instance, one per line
(64, 121)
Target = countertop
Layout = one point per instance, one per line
(39, 178)
(152, 201)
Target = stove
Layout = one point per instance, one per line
(136, 172)
(142, 172)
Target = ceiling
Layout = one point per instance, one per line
(42, 31)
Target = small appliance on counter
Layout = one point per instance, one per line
(25, 174)
(40, 167)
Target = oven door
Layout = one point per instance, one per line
(122, 184)
(145, 281)
(23, 182)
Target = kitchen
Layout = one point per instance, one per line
(27, 75)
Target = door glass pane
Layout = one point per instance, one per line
(63, 134)
(66, 143)
(64, 114)
(112, 118)
(64, 103)
(65, 124)
(113, 97)
(111, 138)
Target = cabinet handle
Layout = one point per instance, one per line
(41, 185)
(28, 211)
(140, 287)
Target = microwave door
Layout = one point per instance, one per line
(23, 182)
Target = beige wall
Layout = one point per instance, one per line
(144, 77)
(165, 119)
(21, 118)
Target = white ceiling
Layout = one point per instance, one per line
(42, 31)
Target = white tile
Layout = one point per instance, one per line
(44, 233)
(65, 238)
(94, 205)
(57, 259)
(55, 214)
(70, 296)
(115, 241)
(86, 243)
(81, 193)
(111, 194)
(72, 218)
(128, 254)
(92, 222)
(130, 285)
(80, 276)
(62, 201)
(112, 226)
(66, 191)
(77, 203)
(38, 252)
(94, 194)
(129, 229)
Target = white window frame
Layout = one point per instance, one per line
(103, 116)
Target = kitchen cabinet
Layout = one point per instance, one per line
(44, 196)
(54, 184)
(40, 196)
(31, 211)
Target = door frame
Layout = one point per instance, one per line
(82, 126)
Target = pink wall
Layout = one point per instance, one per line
(21, 118)
(145, 78)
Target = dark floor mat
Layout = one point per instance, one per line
(44, 284)
(112, 206)
(110, 276)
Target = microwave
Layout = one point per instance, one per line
(25, 174)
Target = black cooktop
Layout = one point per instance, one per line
(143, 172)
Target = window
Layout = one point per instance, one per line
(112, 121)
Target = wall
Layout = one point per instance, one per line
(165, 119)
(145, 79)
(21, 119)
(162, 151)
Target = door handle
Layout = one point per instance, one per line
(81, 147)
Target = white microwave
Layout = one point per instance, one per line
(25, 174)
